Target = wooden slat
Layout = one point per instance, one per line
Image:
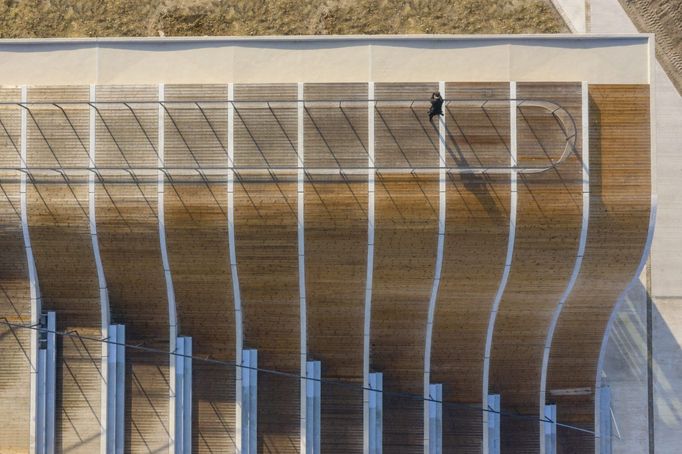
(620, 175)
(196, 133)
(196, 234)
(265, 135)
(129, 244)
(267, 261)
(15, 303)
(127, 137)
(62, 248)
(336, 136)
(477, 132)
(404, 261)
(404, 136)
(477, 224)
(547, 231)
(336, 256)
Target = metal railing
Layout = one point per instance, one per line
(564, 119)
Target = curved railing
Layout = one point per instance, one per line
(562, 116)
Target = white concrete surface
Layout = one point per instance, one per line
(667, 328)
(593, 58)
(574, 13)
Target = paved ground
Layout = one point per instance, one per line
(625, 364)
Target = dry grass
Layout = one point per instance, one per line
(83, 18)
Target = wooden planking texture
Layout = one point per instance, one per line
(548, 226)
(620, 201)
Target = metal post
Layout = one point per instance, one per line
(249, 401)
(435, 409)
(46, 384)
(493, 424)
(115, 389)
(605, 420)
(376, 385)
(550, 429)
(313, 404)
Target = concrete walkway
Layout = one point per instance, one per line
(626, 361)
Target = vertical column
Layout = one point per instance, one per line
(549, 424)
(115, 389)
(428, 430)
(435, 427)
(313, 407)
(376, 406)
(34, 288)
(493, 427)
(371, 173)
(249, 407)
(236, 294)
(106, 423)
(300, 211)
(183, 396)
(172, 319)
(46, 383)
(604, 439)
(507, 264)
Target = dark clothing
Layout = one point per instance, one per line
(436, 107)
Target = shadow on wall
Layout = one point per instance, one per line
(625, 371)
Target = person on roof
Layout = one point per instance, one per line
(436, 105)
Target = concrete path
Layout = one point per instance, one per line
(626, 361)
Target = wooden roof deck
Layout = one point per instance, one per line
(336, 220)
(620, 201)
